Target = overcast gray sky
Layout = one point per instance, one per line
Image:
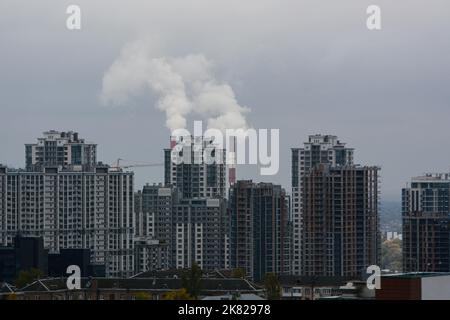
(305, 67)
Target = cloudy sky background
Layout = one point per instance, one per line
(305, 67)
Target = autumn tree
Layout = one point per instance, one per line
(191, 280)
(28, 276)
(180, 294)
(391, 253)
(272, 286)
(239, 273)
(142, 296)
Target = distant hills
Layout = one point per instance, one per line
(390, 216)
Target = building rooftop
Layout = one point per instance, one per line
(152, 284)
(316, 281)
(432, 177)
(6, 288)
(173, 274)
(245, 297)
(416, 275)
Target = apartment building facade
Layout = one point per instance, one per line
(57, 148)
(260, 229)
(72, 210)
(194, 230)
(340, 234)
(70, 201)
(200, 233)
(196, 175)
(325, 149)
(426, 224)
(154, 208)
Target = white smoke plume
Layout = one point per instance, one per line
(184, 85)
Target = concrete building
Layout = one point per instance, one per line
(59, 262)
(7, 264)
(57, 148)
(193, 177)
(340, 232)
(200, 230)
(393, 235)
(150, 254)
(260, 237)
(192, 230)
(426, 224)
(195, 169)
(311, 287)
(325, 149)
(24, 254)
(154, 207)
(72, 208)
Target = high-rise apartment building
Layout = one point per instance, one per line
(325, 149)
(60, 149)
(72, 209)
(200, 233)
(194, 230)
(260, 238)
(154, 211)
(426, 224)
(154, 208)
(340, 234)
(70, 201)
(192, 176)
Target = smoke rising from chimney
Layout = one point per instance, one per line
(184, 85)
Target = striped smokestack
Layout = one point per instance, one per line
(173, 142)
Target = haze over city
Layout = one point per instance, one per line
(299, 66)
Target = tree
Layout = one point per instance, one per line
(28, 276)
(191, 281)
(142, 296)
(11, 296)
(177, 295)
(239, 273)
(391, 253)
(272, 286)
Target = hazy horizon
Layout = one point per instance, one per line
(299, 66)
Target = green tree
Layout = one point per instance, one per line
(177, 295)
(28, 276)
(272, 286)
(191, 281)
(238, 273)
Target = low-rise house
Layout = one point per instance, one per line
(310, 288)
(128, 289)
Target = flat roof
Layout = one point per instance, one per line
(415, 275)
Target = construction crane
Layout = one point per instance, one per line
(137, 164)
